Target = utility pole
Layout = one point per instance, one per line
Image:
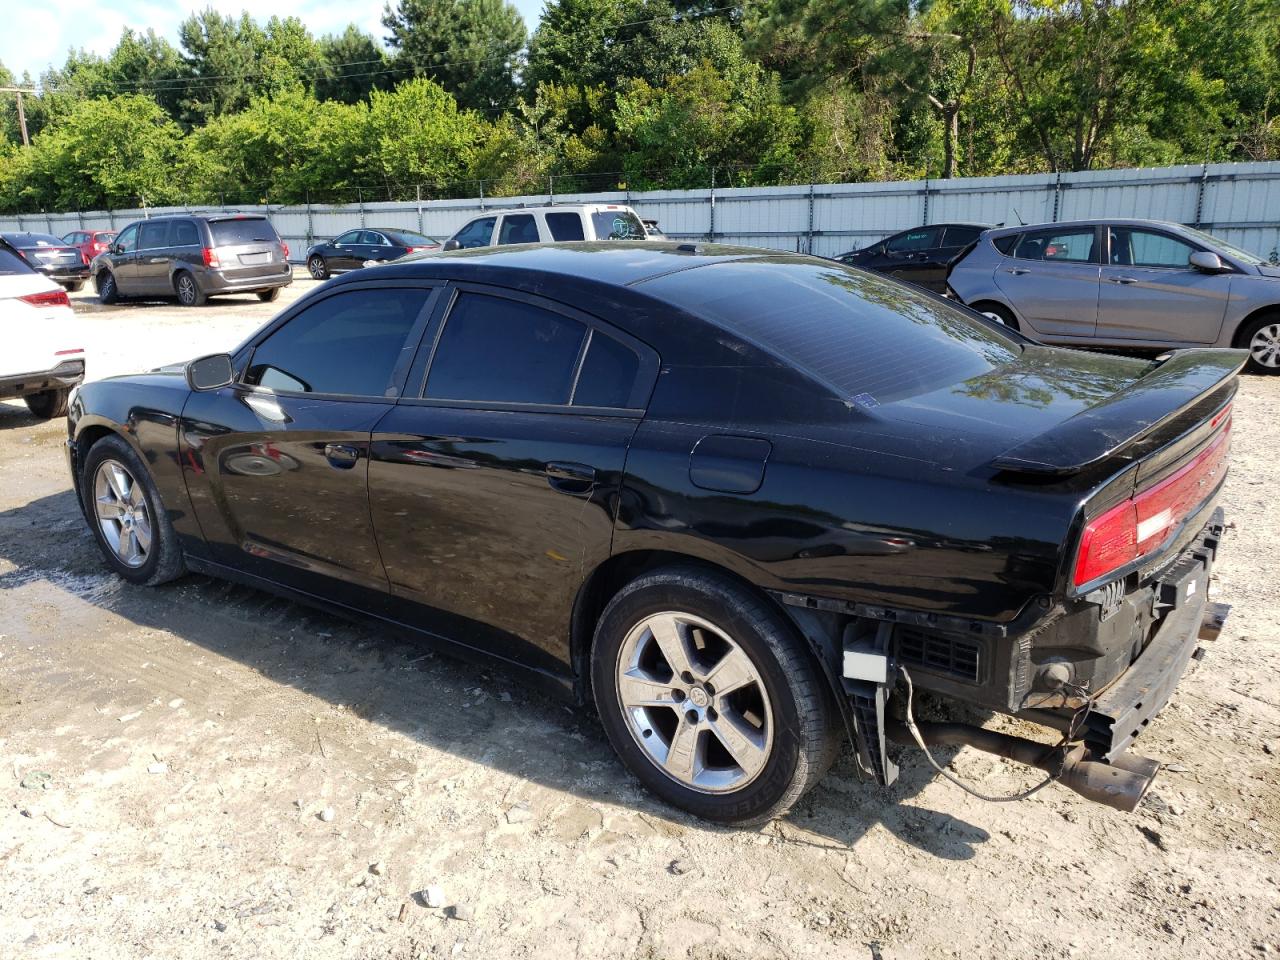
(22, 115)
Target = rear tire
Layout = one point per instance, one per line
(998, 313)
(126, 515)
(739, 754)
(1261, 337)
(189, 292)
(268, 296)
(108, 291)
(48, 403)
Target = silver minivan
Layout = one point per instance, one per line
(1141, 284)
(194, 257)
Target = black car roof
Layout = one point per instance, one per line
(613, 262)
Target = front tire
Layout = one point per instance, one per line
(1262, 339)
(318, 268)
(189, 292)
(710, 698)
(48, 403)
(108, 291)
(126, 515)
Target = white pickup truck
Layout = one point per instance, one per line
(563, 222)
(41, 358)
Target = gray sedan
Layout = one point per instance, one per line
(1141, 284)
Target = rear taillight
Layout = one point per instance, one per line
(284, 248)
(50, 298)
(210, 258)
(84, 257)
(1142, 523)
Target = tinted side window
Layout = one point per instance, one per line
(128, 239)
(477, 233)
(184, 234)
(518, 228)
(565, 226)
(349, 343)
(960, 236)
(11, 263)
(921, 239)
(1069, 246)
(607, 375)
(153, 235)
(1005, 244)
(504, 351)
(1142, 248)
(351, 236)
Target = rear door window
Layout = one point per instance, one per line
(538, 355)
(518, 228)
(1058, 246)
(912, 240)
(565, 226)
(153, 235)
(350, 344)
(608, 373)
(477, 233)
(243, 230)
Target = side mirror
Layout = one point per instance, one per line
(210, 373)
(117, 248)
(452, 245)
(1207, 262)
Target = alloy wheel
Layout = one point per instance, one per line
(1265, 345)
(122, 515)
(319, 270)
(694, 702)
(186, 289)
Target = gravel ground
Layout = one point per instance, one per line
(203, 770)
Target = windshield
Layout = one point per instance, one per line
(1230, 249)
(27, 240)
(868, 338)
(243, 230)
(11, 263)
(617, 225)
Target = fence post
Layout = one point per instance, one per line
(360, 199)
(1057, 195)
(48, 222)
(1204, 178)
(925, 221)
(712, 233)
(111, 218)
(551, 190)
(482, 196)
(418, 188)
(809, 246)
(311, 232)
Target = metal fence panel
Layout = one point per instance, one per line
(1238, 201)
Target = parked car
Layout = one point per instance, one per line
(652, 231)
(42, 357)
(920, 255)
(1140, 284)
(90, 242)
(49, 255)
(565, 222)
(743, 501)
(194, 257)
(355, 248)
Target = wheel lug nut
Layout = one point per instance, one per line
(687, 677)
(691, 716)
(677, 695)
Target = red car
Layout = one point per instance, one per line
(90, 242)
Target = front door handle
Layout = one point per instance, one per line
(570, 477)
(1123, 279)
(341, 456)
(1017, 271)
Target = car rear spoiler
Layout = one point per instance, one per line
(1182, 381)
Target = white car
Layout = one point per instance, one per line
(41, 357)
(569, 221)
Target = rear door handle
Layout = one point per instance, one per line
(1018, 271)
(341, 456)
(570, 477)
(1123, 279)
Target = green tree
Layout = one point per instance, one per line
(417, 134)
(352, 66)
(472, 48)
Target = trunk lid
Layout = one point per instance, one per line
(247, 247)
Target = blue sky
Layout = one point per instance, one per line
(38, 33)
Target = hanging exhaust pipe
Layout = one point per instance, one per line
(1120, 784)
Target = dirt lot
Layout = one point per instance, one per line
(196, 737)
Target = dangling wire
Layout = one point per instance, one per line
(1077, 721)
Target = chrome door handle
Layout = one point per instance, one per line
(1123, 279)
(1017, 271)
(570, 477)
(341, 456)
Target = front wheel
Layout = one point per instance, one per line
(268, 296)
(710, 698)
(48, 403)
(318, 268)
(108, 292)
(127, 517)
(1262, 339)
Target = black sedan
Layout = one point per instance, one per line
(52, 256)
(744, 502)
(355, 248)
(920, 255)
